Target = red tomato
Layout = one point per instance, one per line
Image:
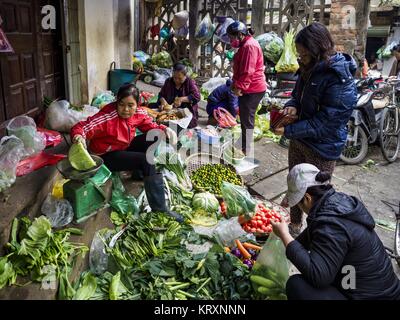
(269, 229)
(253, 230)
(260, 223)
(264, 228)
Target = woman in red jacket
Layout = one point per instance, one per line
(112, 136)
(249, 82)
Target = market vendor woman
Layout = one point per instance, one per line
(111, 134)
(339, 254)
(180, 91)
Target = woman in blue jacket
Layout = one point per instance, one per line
(222, 97)
(324, 98)
(339, 255)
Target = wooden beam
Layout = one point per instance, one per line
(194, 47)
(258, 16)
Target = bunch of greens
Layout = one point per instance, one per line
(162, 60)
(171, 162)
(35, 250)
(204, 94)
(288, 61)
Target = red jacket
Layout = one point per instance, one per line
(108, 132)
(248, 67)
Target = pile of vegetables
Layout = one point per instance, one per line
(246, 252)
(161, 60)
(238, 201)
(38, 252)
(261, 222)
(272, 46)
(80, 158)
(150, 261)
(172, 162)
(209, 177)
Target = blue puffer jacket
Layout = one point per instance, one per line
(340, 233)
(325, 103)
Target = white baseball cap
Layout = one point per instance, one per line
(300, 178)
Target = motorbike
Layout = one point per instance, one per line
(363, 127)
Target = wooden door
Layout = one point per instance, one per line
(20, 70)
(36, 68)
(51, 49)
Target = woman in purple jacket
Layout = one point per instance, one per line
(180, 91)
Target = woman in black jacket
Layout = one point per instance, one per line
(339, 254)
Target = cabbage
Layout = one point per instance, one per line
(205, 201)
(80, 158)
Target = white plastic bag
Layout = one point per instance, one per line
(227, 231)
(205, 30)
(25, 129)
(11, 152)
(160, 76)
(58, 211)
(180, 19)
(98, 256)
(214, 83)
(60, 117)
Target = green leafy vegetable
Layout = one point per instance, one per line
(80, 158)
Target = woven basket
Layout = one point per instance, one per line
(196, 161)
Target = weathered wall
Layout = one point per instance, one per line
(349, 22)
(97, 38)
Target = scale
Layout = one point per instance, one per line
(85, 189)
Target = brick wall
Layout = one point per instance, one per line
(349, 24)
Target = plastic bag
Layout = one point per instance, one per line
(58, 211)
(162, 60)
(272, 265)
(160, 76)
(180, 19)
(205, 30)
(143, 57)
(213, 83)
(224, 118)
(220, 31)
(272, 46)
(53, 138)
(37, 162)
(182, 33)
(188, 138)
(11, 152)
(386, 52)
(121, 202)
(98, 256)
(102, 98)
(238, 200)
(24, 128)
(60, 117)
(227, 231)
(288, 61)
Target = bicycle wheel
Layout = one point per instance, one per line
(389, 135)
(356, 148)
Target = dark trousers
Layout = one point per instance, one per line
(297, 288)
(248, 105)
(132, 159)
(300, 153)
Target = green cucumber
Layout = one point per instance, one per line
(263, 282)
(269, 292)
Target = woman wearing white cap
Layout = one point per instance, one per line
(339, 254)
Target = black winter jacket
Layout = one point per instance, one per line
(341, 233)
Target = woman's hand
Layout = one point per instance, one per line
(178, 102)
(279, 131)
(172, 136)
(291, 111)
(281, 229)
(79, 139)
(237, 92)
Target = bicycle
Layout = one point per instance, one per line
(395, 252)
(390, 124)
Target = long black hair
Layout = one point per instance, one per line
(128, 90)
(318, 192)
(317, 39)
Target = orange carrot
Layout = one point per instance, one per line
(227, 250)
(242, 250)
(251, 246)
